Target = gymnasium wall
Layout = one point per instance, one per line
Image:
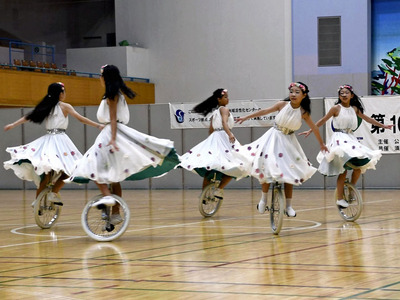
(198, 46)
(64, 24)
(154, 120)
(355, 46)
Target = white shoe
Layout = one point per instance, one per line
(219, 193)
(106, 200)
(116, 219)
(55, 198)
(261, 207)
(290, 212)
(342, 203)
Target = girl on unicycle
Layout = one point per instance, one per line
(345, 151)
(52, 152)
(120, 152)
(277, 155)
(216, 155)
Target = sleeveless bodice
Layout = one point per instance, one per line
(289, 117)
(56, 119)
(103, 113)
(347, 119)
(217, 120)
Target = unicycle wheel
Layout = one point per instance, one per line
(354, 199)
(208, 203)
(276, 211)
(46, 212)
(99, 223)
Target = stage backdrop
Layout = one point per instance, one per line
(383, 109)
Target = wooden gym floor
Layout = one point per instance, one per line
(170, 251)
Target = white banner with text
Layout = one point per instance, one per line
(182, 115)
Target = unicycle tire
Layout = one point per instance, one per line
(208, 203)
(96, 220)
(353, 211)
(46, 212)
(277, 209)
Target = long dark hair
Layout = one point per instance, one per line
(354, 101)
(114, 83)
(210, 103)
(306, 102)
(43, 109)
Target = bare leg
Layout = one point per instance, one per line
(340, 185)
(104, 189)
(59, 183)
(355, 176)
(43, 183)
(225, 180)
(288, 191)
(117, 190)
(265, 187)
(290, 212)
(205, 182)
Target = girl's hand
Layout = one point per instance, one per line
(305, 133)
(8, 127)
(240, 120)
(232, 138)
(100, 126)
(388, 126)
(113, 144)
(324, 148)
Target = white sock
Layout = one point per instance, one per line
(264, 197)
(288, 202)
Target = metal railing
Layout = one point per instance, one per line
(66, 72)
(34, 50)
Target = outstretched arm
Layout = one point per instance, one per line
(276, 107)
(70, 110)
(314, 128)
(372, 121)
(15, 124)
(334, 111)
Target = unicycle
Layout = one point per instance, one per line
(45, 211)
(208, 203)
(354, 199)
(97, 221)
(277, 209)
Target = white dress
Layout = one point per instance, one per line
(53, 151)
(345, 151)
(277, 155)
(140, 155)
(216, 153)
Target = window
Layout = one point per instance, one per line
(329, 41)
